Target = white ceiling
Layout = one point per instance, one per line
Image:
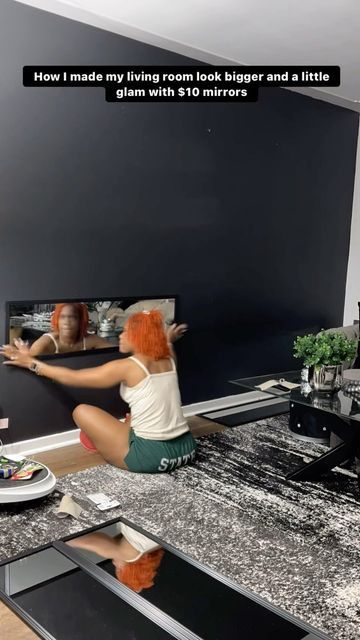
(249, 32)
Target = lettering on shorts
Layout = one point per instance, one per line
(168, 464)
(163, 464)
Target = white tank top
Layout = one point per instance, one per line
(140, 542)
(155, 405)
(56, 344)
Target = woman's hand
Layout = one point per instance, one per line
(18, 355)
(176, 331)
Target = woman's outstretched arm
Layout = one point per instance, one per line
(107, 375)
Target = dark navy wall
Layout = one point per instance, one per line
(243, 210)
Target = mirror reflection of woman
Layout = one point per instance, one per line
(69, 333)
(157, 437)
(135, 557)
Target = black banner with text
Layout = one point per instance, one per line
(181, 84)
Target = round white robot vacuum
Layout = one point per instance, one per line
(41, 484)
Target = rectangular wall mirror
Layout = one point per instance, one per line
(64, 327)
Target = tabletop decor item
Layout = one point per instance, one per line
(325, 354)
(351, 383)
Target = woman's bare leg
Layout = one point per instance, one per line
(99, 543)
(117, 548)
(109, 435)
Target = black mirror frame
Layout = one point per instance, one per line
(77, 354)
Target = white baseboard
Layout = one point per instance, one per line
(66, 438)
(222, 413)
(44, 443)
(222, 403)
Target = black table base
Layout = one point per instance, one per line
(349, 432)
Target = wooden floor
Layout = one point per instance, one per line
(76, 458)
(69, 460)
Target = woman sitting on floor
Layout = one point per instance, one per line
(157, 438)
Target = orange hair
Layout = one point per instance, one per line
(146, 333)
(140, 575)
(82, 312)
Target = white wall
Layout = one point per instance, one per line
(352, 295)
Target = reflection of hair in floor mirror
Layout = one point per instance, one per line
(141, 574)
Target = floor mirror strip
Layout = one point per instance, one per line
(65, 592)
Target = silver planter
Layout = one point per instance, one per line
(327, 379)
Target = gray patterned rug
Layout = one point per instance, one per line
(295, 544)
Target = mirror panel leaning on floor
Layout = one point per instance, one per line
(62, 601)
(118, 579)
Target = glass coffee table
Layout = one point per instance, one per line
(341, 415)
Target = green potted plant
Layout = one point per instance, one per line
(325, 353)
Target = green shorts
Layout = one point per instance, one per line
(154, 456)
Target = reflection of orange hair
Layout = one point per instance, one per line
(147, 334)
(140, 575)
(82, 312)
